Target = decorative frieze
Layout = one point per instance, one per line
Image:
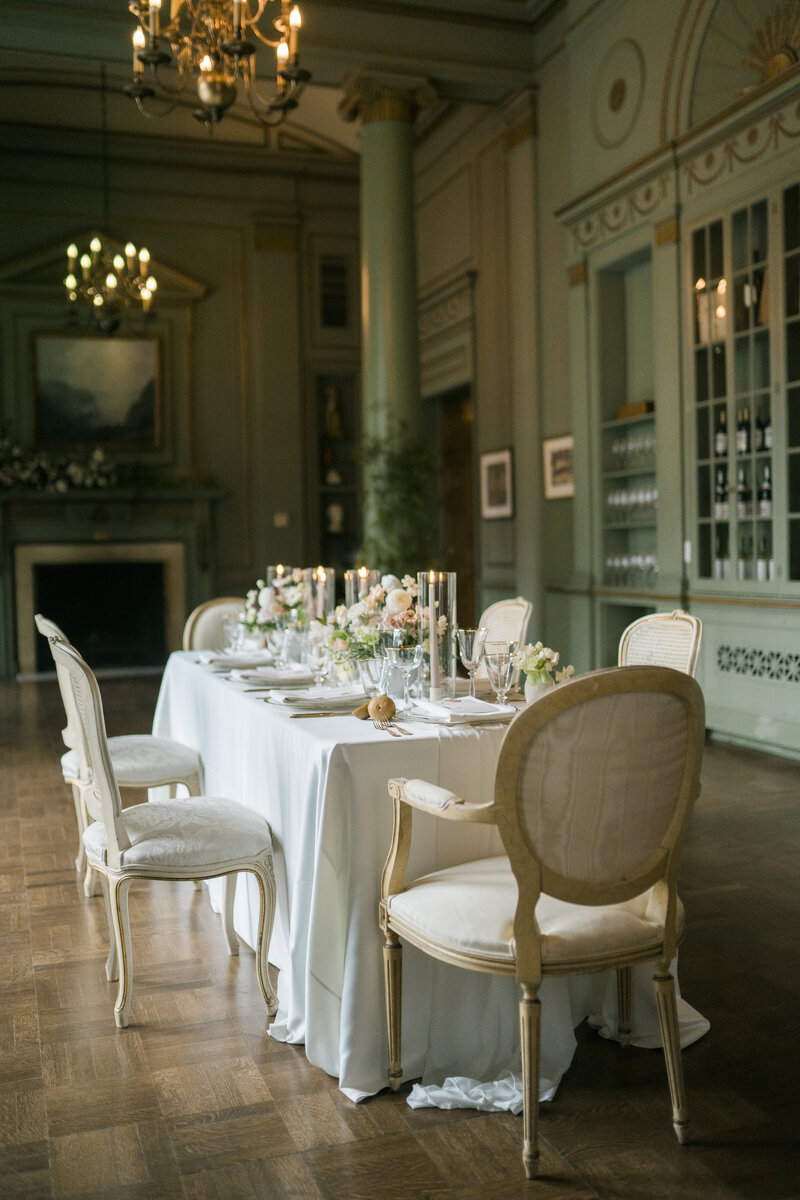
(770, 134)
(624, 211)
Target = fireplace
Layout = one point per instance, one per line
(122, 604)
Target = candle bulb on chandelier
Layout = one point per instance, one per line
(155, 12)
(72, 256)
(86, 263)
(282, 55)
(237, 19)
(144, 261)
(295, 21)
(138, 44)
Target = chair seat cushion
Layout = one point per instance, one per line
(195, 831)
(470, 909)
(142, 760)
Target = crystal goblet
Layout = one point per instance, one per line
(318, 659)
(406, 659)
(373, 675)
(500, 669)
(470, 649)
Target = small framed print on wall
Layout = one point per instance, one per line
(497, 495)
(559, 480)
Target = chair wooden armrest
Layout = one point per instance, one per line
(408, 794)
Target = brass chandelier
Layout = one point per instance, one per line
(208, 40)
(100, 283)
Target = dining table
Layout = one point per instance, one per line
(321, 783)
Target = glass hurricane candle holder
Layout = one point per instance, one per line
(357, 582)
(436, 598)
(320, 585)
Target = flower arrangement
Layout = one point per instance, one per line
(387, 608)
(34, 469)
(267, 607)
(539, 664)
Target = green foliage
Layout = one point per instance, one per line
(401, 504)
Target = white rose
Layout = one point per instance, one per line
(266, 597)
(390, 583)
(398, 601)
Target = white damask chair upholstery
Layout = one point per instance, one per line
(140, 760)
(594, 787)
(180, 838)
(662, 640)
(506, 621)
(203, 629)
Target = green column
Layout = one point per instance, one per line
(390, 344)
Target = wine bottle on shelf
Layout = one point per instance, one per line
(721, 497)
(744, 496)
(768, 431)
(743, 431)
(721, 435)
(759, 432)
(763, 557)
(744, 563)
(765, 495)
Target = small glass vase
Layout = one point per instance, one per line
(537, 685)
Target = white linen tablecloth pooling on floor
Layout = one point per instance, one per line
(321, 784)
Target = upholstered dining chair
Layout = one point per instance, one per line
(593, 791)
(203, 629)
(140, 760)
(662, 640)
(181, 838)
(506, 621)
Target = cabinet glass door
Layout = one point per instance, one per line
(735, 365)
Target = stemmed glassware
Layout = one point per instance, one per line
(276, 640)
(318, 659)
(406, 659)
(372, 672)
(500, 668)
(233, 630)
(470, 648)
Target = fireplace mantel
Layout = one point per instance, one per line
(179, 516)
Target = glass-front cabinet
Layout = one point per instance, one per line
(744, 274)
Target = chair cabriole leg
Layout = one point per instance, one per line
(266, 884)
(393, 980)
(624, 1005)
(228, 897)
(530, 1024)
(112, 971)
(80, 817)
(118, 894)
(664, 985)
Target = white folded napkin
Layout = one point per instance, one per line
(295, 675)
(461, 711)
(322, 698)
(252, 658)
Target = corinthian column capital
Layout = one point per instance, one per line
(373, 97)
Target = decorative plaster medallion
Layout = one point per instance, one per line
(618, 93)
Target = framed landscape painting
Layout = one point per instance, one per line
(91, 391)
(497, 498)
(559, 479)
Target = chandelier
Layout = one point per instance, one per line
(100, 283)
(208, 40)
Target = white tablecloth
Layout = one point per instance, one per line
(321, 784)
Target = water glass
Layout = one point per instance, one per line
(318, 659)
(233, 630)
(406, 659)
(470, 648)
(500, 669)
(276, 639)
(372, 672)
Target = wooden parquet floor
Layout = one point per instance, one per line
(194, 1100)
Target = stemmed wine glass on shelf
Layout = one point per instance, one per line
(470, 648)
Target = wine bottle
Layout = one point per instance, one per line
(743, 432)
(759, 439)
(744, 495)
(765, 495)
(721, 435)
(721, 498)
(768, 431)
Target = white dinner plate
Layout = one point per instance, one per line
(294, 676)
